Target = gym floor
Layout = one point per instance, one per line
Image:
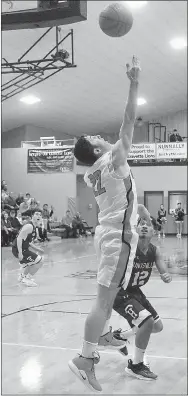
(42, 327)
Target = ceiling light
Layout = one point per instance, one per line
(141, 101)
(136, 4)
(30, 99)
(178, 43)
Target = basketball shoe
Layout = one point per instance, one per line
(119, 335)
(109, 341)
(140, 371)
(27, 280)
(84, 369)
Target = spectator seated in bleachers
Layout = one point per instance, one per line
(67, 224)
(20, 198)
(28, 206)
(24, 208)
(81, 225)
(64, 229)
(28, 198)
(7, 200)
(19, 217)
(6, 230)
(34, 204)
(15, 224)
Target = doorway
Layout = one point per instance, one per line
(153, 200)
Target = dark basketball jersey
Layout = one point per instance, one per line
(142, 267)
(28, 240)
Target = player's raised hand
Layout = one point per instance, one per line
(134, 73)
(166, 277)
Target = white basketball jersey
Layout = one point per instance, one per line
(114, 193)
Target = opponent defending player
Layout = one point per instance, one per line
(133, 305)
(30, 262)
(116, 237)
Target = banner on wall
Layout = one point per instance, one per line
(142, 151)
(171, 150)
(50, 160)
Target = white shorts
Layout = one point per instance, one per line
(115, 249)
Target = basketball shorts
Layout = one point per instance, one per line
(115, 249)
(134, 307)
(29, 257)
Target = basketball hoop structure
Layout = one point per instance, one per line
(34, 71)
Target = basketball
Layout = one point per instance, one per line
(115, 20)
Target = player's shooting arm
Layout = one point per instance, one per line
(144, 214)
(162, 267)
(122, 147)
(25, 231)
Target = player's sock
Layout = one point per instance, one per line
(138, 356)
(24, 270)
(88, 349)
(106, 327)
(146, 361)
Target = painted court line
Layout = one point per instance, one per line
(78, 350)
(49, 260)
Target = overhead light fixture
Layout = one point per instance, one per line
(178, 43)
(141, 101)
(30, 100)
(136, 4)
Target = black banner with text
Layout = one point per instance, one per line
(58, 160)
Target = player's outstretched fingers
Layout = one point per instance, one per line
(128, 67)
(136, 62)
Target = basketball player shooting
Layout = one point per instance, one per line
(116, 237)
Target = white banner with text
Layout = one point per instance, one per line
(171, 150)
(142, 151)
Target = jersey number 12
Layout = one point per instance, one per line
(95, 179)
(139, 278)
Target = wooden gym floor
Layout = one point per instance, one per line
(42, 327)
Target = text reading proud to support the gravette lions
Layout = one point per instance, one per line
(50, 160)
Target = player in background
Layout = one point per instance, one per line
(30, 262)
(161, 219)
(179, 215)
(133, 305)
(116, 237)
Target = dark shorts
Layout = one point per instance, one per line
(29, 257)
(134, 307)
